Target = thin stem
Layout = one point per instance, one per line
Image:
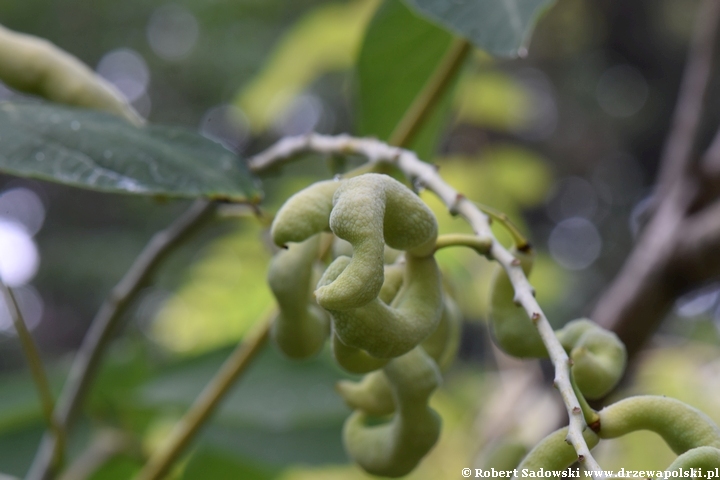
(206, 403)
(103, 326)
(480, 245)
(430, 94)
(589, 414)
(36, 370)
(105, 446)
(521, 243)
(425, 174)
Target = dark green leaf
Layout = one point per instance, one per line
(500, 27)
(17, 448)
(99, 151)
(312, 445)
(210, 464)
(399, 54)
(119, 468)
(281, 411)
(276, 392)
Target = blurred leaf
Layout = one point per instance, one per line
(281, 411)
(224, 296)
(275, 393)
(492, 99)
(17, 448)
(323, 40)
(118, 468)
(99, 151)
(310, 445)
(211, 464)
(399, 54)
(19, 404)
(500, 27)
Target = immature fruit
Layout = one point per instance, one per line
(301, 328)
(368, 211)
(598, 357)
(354, 360)
(511, 328)
(394, 449)
(386, 331)
(554, 453)
(34, 65)
(680, 425)
(707, 458)
(372, 395)
(304, 214)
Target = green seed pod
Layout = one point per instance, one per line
(304, 214)
(598, 355)
(443, 344)
(34, 65)
(343, 247)
(554, 453)
(394, 275)
(393, 449)
(389, 331)
(369, 211)
(354, 360)
(372, 395)
(300, 329)
(511, 328)
(707, 458)
(680, 425)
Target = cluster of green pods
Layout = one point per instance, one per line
(598, 360)
(381, 304)
(598, 356)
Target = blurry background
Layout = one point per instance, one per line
(565, 141)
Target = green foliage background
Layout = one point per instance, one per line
(283, 420)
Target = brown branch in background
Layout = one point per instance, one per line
(677, 154)
(103, 326)
(648, 283)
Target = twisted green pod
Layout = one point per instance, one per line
(598, 356)
(511, 328)
(707, 458)
(368, 211)
(680, 425)
(393, 449)
(686, 430)
(34, 65)
(343, 247)
(304, 214)
(389, 331)
(554, 453)
(443, 344)
(392, 282)
(373, 395)
(300, 329)
(354, 360)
